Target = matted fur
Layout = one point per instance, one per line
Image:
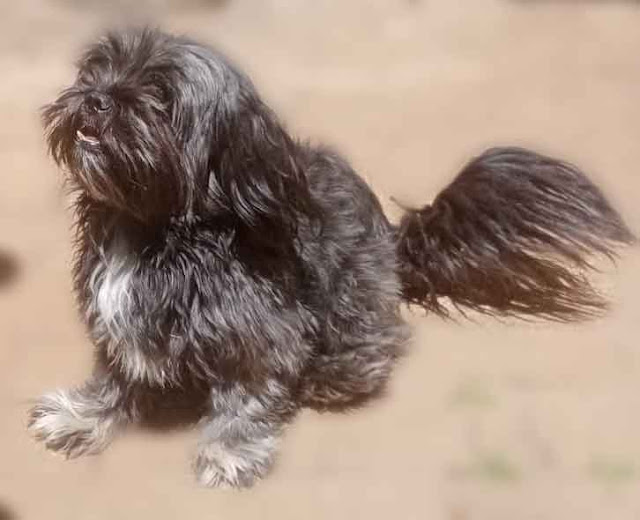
(225, 266)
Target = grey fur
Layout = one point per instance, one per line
(78, 422)
(225, 269)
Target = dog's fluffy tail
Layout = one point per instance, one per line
(512, 235)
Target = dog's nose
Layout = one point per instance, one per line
(98, 102)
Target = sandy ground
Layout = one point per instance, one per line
(485, 420)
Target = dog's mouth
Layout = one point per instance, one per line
(87, 135)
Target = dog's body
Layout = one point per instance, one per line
(222, 261)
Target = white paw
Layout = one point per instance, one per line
(240, 466)
(67, 427)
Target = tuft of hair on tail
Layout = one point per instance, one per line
(515, 234)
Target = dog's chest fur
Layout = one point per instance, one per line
(184, 306)
(113, 305)
(111, 288)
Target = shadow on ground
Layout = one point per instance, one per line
(173, 409)
(8, 272)
(6, 513)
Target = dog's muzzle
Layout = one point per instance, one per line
(97, 105)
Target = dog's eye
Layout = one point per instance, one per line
(91, 67)
(87, 75)
(85, 78)
(159, 96)
(164, 95)
(156, 86)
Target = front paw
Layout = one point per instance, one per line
(68, 426)
(239, 466)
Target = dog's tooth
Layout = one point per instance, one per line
(85, 138)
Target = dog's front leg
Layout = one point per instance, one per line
(240, 438)
(82, 420)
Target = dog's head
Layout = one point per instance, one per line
(159, 126)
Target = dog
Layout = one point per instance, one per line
(224, 265)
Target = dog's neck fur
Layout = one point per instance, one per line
(113, 246)
(102, 226)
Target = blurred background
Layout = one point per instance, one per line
(485, 420)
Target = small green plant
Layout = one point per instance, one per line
(492, 466)
(613, 470)
(472, 393)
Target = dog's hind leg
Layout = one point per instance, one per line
(362, 332)
(357, 370)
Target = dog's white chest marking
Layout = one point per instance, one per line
(113, 307)
(110, 285)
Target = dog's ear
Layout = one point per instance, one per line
(256, 170)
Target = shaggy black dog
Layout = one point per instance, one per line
(223, 264)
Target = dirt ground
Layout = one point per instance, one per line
(484, 420)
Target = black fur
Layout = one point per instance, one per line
(511, 235)
(223, 264)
